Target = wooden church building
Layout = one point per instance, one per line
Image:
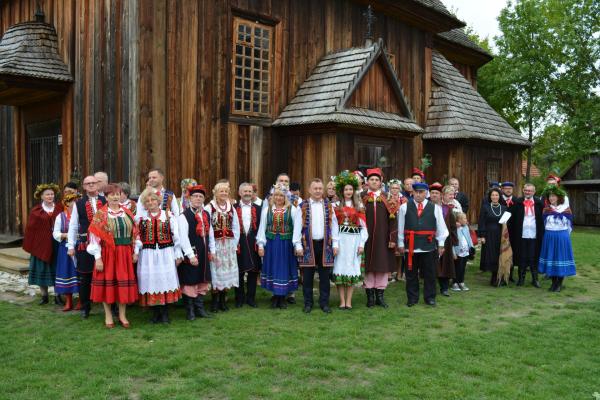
(241, 89)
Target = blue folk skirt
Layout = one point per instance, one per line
(66, 274)
(556, 256)
(279, 273)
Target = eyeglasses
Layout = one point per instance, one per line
(89, 183)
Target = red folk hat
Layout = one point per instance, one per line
(374, 171)
(436, 186)
(417, 171)
(552, 176)
(196, 189)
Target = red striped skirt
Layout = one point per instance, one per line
(116, 283)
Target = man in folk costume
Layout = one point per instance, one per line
(417, 175)
(380, 247)
(421, 233)
(196, 237)
(77, 239)
(169, 201)
(526, 232)
(249, 261)
(319, 245)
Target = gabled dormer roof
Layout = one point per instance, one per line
(325, 96)
(458, 111)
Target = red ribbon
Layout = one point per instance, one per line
(411, 243)
(528, 206)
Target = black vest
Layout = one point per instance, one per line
(426, 222)
(188, 274)
(84, 223)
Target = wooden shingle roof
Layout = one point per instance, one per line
(30, 49)
(459, 37)
(322, 97)
(457, 110)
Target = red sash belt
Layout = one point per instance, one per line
(411, 242)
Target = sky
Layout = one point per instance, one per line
(479, 14)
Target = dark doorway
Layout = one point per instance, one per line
(43, 154)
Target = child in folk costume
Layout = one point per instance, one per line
(319, 245)
(226, 227)
(396, 197)
(280, 231)
(352, 237)
(462, 252)
(556, 257)
(38, 240)
(196, 237)
(380, 257)
(66, 282)
(112, 242)
(249, 262)
(158, 257)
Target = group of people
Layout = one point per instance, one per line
(353, 230)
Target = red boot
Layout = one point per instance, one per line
(68, 302)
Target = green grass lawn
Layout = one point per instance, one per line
(506, 343)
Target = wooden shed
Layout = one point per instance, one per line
(236, 89)
(582, 183)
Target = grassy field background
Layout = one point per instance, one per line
(489, 343)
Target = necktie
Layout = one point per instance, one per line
(420, 210)
(528, 206)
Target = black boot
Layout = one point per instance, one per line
(521, 281)
(223, 301)
(214, 305)
(164, 314)
(380, 300)
(274, 301)
(44, 300)
(559, 282)
(370, 297)
(189, 308)
(282, 303)
(155, 315)
(510, 276)
(58, 300)
(494, 279)
(239, 295)
(199, 307)
(534, 278)
(553, 286)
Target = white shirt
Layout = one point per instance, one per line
(558, 222)
(529, 231)
(317, 222)
(184, 239)
(457, 207)
(441, 231)
(74, 223)
(246, 215)
(261, 237)
(141, 210)
(258, 201)
(57, 231)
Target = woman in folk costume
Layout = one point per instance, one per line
(280, 230)
(196, 237)
(396, 197)
(226, 228)
(445, 267)
(125, 200)
(112, 242)
(382, 227)
(350, 214)
(489, 232)
(158, 257)
(66, 282)
(556, 256)
(38, 240)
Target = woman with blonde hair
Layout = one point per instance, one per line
(158, 256)
(223, 251)
(279, 232)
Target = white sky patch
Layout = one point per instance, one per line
(481, 15)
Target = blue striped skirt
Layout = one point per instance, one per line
(556, 256)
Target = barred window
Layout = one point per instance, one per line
(252, 50)
(492, 170)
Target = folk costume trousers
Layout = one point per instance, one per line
(308, 275)
(424, 263)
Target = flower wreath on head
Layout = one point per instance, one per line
(39, 189)
(70, 197)
(345, 178)
(395, 181)
(554, 189)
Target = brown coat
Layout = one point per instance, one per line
(445, 265)
(382, 230)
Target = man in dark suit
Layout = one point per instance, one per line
(461, 197)
(526, 232)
